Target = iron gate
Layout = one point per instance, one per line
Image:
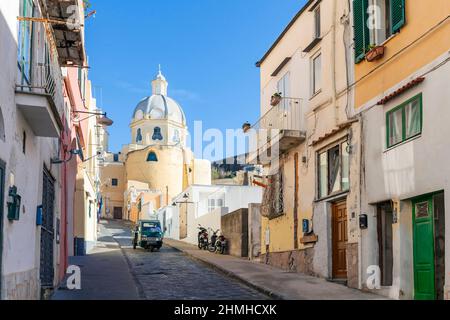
(47, 231)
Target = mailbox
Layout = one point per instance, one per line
(13, 202)
(39, 216)
(363, 223)
(305, 225)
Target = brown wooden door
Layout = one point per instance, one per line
(118, 213)
(339, 239)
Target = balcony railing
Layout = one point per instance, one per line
(39, 95)
(281, 126)
(287, 115)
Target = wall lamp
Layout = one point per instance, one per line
(102, 119)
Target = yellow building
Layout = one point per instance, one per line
(305, 225)
(157, 159)
(402, 74)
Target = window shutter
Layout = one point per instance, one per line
(398, 15)
(361, 32)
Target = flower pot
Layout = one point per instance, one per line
(375, 53)
(275, 100)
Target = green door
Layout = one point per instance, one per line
(423, 225)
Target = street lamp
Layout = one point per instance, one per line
(102, 119)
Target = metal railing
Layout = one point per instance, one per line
(45, 78)
(287, 115)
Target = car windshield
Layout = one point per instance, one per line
(151, 227)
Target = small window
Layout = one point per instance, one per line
(157, 134)
(404, 122)
(317, 30)
(152, 157)
(114, 182)
(333, 170)
(116, 157)
(139, 135)
(316, 74)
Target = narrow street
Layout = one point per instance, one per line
(165, 275)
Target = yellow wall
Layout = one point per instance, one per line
(112, 196)
(421, 16)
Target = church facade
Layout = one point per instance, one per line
(157, 165)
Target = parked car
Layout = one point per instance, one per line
(148, 235)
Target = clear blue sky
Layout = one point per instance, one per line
(207, 50)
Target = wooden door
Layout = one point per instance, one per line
(339, 240)
(118, 213)
(423, 244)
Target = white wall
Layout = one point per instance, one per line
(416, 167)
(233, 197)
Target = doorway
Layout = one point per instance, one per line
(429, 246)
(47, 231)
(385, 220)
(339, 240)
(118, 213)
(2, 206)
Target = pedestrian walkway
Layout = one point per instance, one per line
(273, 281)
(105, 273)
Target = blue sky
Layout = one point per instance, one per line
(207, 50)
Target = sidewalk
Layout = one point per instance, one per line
(104, 273)
(278, 283)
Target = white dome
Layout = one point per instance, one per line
(159, 105)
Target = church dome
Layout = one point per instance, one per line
(159, 105)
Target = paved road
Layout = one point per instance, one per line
(170, 274)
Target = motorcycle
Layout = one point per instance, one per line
(202, 238)
(213, 242)
(221, 244)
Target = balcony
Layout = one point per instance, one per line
(67, 18)
(280, 129)
(40, 99)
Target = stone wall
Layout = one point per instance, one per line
(21, 286)
(235, 229)
(352, 265)
(295, 261)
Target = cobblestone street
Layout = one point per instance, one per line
(170, 274)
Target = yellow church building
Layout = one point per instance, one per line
(157, 165)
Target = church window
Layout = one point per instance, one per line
(139, 135)
(152, 157)
(176, 136)
(157, 134)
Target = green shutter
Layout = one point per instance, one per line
(361, 31)
(398, 16)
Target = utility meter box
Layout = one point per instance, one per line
(14, 201)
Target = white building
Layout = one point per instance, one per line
(204, 205)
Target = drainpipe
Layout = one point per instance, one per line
(333, 64)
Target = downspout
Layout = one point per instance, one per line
(333, 64)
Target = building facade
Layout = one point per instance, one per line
(401, 97)
(305, 225)
(35, 130)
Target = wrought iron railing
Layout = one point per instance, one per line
(287, 115)
(46, 78)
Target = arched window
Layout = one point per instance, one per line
(152, 157)
(157, 134)
(139, 135)
(2, 126)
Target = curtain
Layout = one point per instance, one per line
(395, 127)
(413, 125)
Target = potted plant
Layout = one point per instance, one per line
(374, 52)
(246, 126)
(276, 99)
